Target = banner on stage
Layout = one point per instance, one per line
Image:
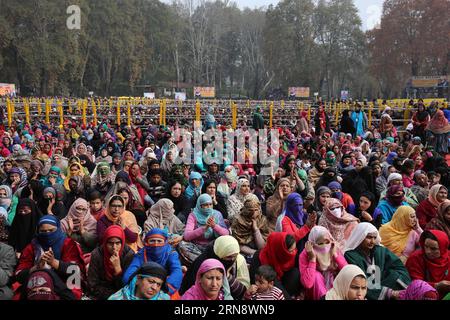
(428, 81)
(180, 96)
(204, 92)
(299, 92)
(150, 95)
(7, 89)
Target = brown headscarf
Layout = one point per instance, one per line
(242, 225)
(161, 215)
(340, 228)
(274, 204)
(439, 123)
(439, 223)
(89, 222)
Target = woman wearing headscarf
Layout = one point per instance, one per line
(6, 201)
(431, 263)
(107, 264)
(77, 189)
(226, 250)
(81, 149)
(315, 173)
(280, 253)
(228, 181)
(147, 283)
(53, 177)
(321, 198)
(420, 120)
(379, 263)
(102, 178)
(365, 207)
(236, 200)
(162, 215)
(204, 224)
(346, 123)
(44, 284)
(80, 225)
(345, 165)
(86, 162)
(293, 220)
(52, 249)
(329, 175)
(275, 203)
(395, 197)
(167, 164)
(181, 205)
(321, 121)
(396, 179)
(17, 179)
(250, 227)
(438, 132)
(442, 221)
(24, 225)
(74, 169)
(121, 181)
(419, 290)
(219, 201)
(337, 221)
(401, 235)
(35, 172)
(349, 284)
(319, 263)
(139, 181)
(194, 189)
(345, 198)
(50, 204)
(117, 215)
(157, 249)
(359, 180)
(104, 157)
(428, 209)
(208, 283)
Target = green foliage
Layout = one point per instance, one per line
(125, 45)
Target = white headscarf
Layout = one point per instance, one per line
(323, 254)
(359, 234)
(341, 284)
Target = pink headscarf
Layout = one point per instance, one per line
(419, 290)
(196, 292)
(89, 222)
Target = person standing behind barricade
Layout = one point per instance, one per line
(321, 121)
(258, 120)
(360, 121)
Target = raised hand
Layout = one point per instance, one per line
(311, 220)
(310, 251)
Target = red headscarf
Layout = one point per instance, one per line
(277, 255)
(113, 231)
(438, 269)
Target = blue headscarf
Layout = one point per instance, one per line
(336, 185)
(294, 209)
(202, 214)
(191, 190)
(55, 239)
(390, 158)
(148, 269)
(159, 254)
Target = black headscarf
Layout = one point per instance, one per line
(24, 227)
(123, 176)
(88, 164)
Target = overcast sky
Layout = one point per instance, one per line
(369, 10)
